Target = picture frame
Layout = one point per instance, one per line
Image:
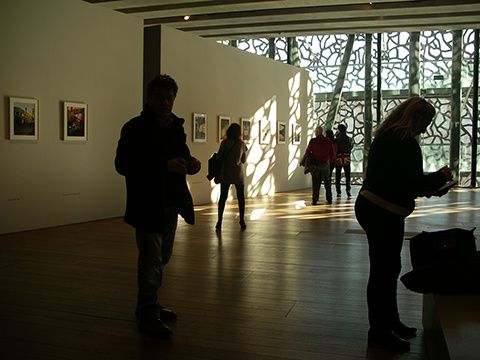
(23, 118)
(223, 124)
(265, 131)
(246, 126)
(75, 121)
(296, 134)
(281, 132)
(199, 127)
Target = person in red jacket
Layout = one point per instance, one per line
(318, 156)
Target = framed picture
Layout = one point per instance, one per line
(264, 131)
(23, 116)
(199, 127)
(296, 134)
(74, 121)
(223, 124)
(281, 132)
(246, 124)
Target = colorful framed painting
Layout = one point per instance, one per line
(74, 121)
(281, 132)
(296, 134)
(246, 125)
(199, 127)
(264, 127)
(223, 124)
(23, 118)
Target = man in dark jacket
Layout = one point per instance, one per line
(153, 156)
(343, 145)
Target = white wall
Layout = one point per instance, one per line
(56, 50)
(221, 80)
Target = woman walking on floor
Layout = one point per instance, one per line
(232, 154)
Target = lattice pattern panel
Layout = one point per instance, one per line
(436, 59)
(281, 49)
(254, 46)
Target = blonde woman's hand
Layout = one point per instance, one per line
(447, 172)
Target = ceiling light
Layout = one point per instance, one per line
(186, 17)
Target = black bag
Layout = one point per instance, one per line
(312, 164)
(214, 167)
(428, 248)
(444, 262)
(452, 277)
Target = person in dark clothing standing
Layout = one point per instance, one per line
(329, 134)
(317, 158)
(233, 154)
(394, 178)
(153, 155)
(343, 144)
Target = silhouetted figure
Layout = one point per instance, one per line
(153, 156)
(394, 178)
(343, 145)
(317, 158)
(232, 154)
(329, 134)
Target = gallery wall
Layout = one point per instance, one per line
(217, 80)
(56, 51)
(68, 50)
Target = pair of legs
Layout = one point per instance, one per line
(385, 233)
(223, 199)
(338, 177)
(154, 252)
(319, 175)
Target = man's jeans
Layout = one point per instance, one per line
(154, 252)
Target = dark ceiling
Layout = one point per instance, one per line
(224, 20)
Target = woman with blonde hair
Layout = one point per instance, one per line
(394, 178)
(233, 154)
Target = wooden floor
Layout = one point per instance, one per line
(292, 286)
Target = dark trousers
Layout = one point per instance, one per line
(319, 175)
(223, 199)
(338, 177)
(385, 232)
(154, 252)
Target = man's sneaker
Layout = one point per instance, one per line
(154, 327)
(167, 314)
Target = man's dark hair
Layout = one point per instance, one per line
(342, 128)
(162, 81)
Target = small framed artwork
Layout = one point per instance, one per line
(246, 124)
(264, 131)
(281, 132)
(74, 121)
(296, 134)
(223, 124)
(199, 127)
(23, 116)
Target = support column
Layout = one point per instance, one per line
(271, 48)
(337, 92)
(292, 52)
(379, 78)
(456, 102)
(368, 101)
(473, 172)
(414, 65)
